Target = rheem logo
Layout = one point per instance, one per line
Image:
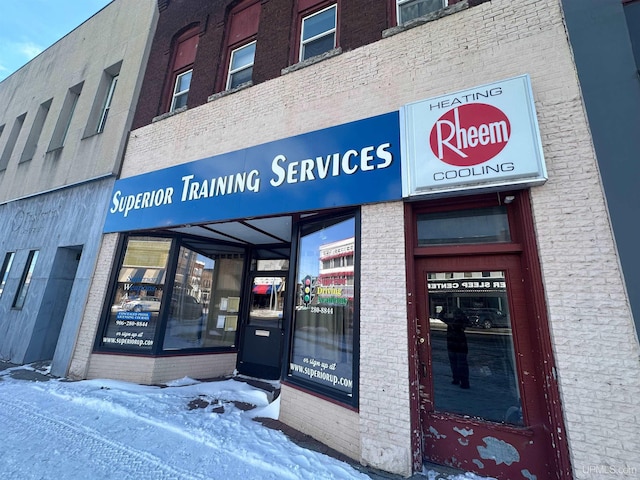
(470, 134)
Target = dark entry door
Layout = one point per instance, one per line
(263, 329)
(481, 388)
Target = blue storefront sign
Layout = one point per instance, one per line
(351, 164)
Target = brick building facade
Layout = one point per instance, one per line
(555, 273)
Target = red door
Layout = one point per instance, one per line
(482, 401)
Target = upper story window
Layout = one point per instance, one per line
(410, 9)
(11, 141)
(318, 33)
(181, 90)
(241, 65)
(107, 104)
(36, 129)
(103, 101)
(184, 56)
(64, 118)
(632, 16)
(240, 50)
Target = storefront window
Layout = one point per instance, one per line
(323, 329)
(473, 361)
(154, 310)
(205, 301)
(140, 285)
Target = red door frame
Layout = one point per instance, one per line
(524, 243)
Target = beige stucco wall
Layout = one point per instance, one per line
(593, 338)
(119, 32)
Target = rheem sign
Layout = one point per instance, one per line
(485, 138)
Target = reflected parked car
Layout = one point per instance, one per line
(185, 307)
(487, 318)
(142, 304)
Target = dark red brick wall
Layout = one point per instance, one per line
(361, 22)
(175, 17)
(274, 38)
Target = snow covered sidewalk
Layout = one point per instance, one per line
(105, 429)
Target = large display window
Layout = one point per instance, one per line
(170, 295)
(205, 301)
(137, 298)
(323, 354)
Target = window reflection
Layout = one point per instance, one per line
(205, 301)
(473, 362)
(324, 314)
(481, 225)
(267, 302)
(139, 290)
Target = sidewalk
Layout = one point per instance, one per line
(39, 372)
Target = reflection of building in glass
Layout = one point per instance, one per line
(143, 271)
(336, 266)
(482, 296)
(189, 273)
(205, 285)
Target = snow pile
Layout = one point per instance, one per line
(106, 429)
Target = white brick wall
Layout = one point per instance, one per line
(331, 424)
(160, 370)
(79, 364)
(595, 343)
(593, 338)
(385, 416)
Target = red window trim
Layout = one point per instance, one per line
(188, 32)
(297, 27)
(221, 81)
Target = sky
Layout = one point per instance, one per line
(106, 429)
(27, 27)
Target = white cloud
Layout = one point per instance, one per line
(29, 49)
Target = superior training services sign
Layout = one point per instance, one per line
(484, 138)
(350, 164)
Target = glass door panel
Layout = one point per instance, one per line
(473, 361)
(267, 302)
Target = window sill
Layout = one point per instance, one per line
(89, 135)
(224, 93)
(54, 150)
(168, 114)
(311, 61)
(416, 22)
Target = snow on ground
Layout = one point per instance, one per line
(106, 429)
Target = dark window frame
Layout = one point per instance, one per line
(302, 228)
(157, 350)
(65, 117)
